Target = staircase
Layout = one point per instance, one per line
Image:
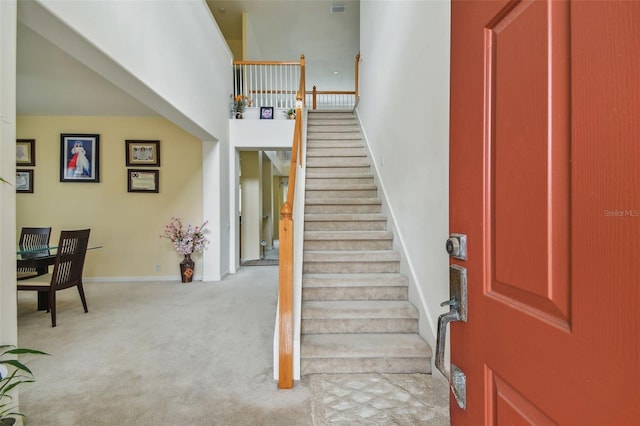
(356, 317)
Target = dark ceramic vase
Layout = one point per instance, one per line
(186, 269)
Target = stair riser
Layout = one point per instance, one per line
(355, 293)
(332, 122)
(330, 128)
(334, 136)
(336, 152)
(346, 193)
(330, 162)
(316, 245)
(350, 267)
(391, 365)
(346, 226)
(324, 144)
(338, 169)
(324, 115)
(342, 209)
(329, 182)
(366, 325)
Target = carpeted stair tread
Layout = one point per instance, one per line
(336, 152)
(313, 127)
(335, 143)
(353, 280)
(342, 201)
(341, 187)
(362, 309)
(339, 256)
(334, 136)
(338, 162)
(344, 217)
(366, 345)
(347, 235)
(315, 174)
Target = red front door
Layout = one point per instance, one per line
(545, 183)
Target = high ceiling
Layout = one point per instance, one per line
(50, 82)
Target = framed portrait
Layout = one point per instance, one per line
(142, 153)
(25, 152)
(140, 180)
(266, 113)
(79, 157)
(24, 180)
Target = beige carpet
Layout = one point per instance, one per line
(152, 353)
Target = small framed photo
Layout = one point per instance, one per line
(142, 153)
(79, 157)
(25, 152)
(24, 180)
(266, 113)
(143, 180)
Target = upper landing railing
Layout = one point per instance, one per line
(276, 84)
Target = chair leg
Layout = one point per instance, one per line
(52, 307)
(84, 300)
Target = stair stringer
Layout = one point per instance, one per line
(298, 249)
(426, 326)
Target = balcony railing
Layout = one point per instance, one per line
(276, 84)
(267, 83)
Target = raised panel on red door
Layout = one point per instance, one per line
(544, 152)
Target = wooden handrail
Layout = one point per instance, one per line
(235, 62)
(331, 92)
(285, 289)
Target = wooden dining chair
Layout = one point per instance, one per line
(67, 270)
(32, 239)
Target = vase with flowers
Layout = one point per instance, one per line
(240, 102)
(186, 240)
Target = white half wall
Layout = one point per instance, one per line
(8, 308)
(404, 113)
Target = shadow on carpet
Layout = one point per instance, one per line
(261, 262)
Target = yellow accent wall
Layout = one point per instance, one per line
(127, 225)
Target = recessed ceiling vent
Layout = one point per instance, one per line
(338, 8)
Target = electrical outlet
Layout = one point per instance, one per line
(157, 268)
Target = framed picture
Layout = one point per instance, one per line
(24, 180)
(266, 113)
(25, 152)
(142, 153)
(143, 180)
(79, 157)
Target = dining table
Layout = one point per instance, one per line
(40, 258)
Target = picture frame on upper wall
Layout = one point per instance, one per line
(25, 152)
(142, 153)
(24, 181)
(79, 157)
(266, 113)
(141, 180)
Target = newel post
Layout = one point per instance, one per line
(357, 72)
(315, 93)
(285, 293)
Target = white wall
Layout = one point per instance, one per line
(404, 112)
(8, 308)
